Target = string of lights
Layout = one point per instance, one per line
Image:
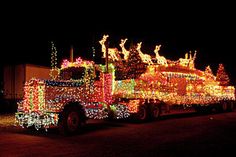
(134, 76)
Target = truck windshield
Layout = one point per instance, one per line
(74, 73)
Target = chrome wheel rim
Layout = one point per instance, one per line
(156, 112)
(142, 113)
(73, 121)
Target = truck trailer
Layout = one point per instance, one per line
(14, 78)
(130, 83)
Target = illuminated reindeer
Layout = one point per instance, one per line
(184, 61)
(111, 51)
(192, 59)
(124, 51)
(160, 59)
(145, 57)
(102, 42)
(188, 61)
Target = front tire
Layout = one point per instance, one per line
(71, 120)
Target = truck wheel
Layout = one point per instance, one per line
(142, 113)
(230, 106)
(224, 106)
(73, 121)
(155, 112)
(205, 109)
(70, 120)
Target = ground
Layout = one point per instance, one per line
(177, 135)
(7, 121)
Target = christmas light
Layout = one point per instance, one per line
(160, 59)
(54, 72)
(124, 51)
(112, 52)
(102, 42)
(53, 56)
(221, 76)
(145, 57)
(129, 82)
(43, 97)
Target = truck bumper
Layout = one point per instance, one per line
(35, 119)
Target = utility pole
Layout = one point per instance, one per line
(71, 54)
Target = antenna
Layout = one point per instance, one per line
(53, 56)
(94, 53)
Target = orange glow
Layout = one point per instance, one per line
(133, 106)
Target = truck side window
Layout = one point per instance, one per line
(74, 73)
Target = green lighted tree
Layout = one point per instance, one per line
(132, 68)
(135, 65)
(54, 72)
(53, 56)
(222, 76)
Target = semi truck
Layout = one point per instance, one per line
(129, 83)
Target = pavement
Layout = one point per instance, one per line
(182, 135)
(7, 122)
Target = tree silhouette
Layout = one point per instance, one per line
(135, 65)
(132, 68)
(222, 76)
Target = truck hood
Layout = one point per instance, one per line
(38, 93)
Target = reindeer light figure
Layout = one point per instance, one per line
(192, 59)
(184, 61)
(160, 59)
(188, 61)
(102, 42)
(124, 51)
(145, 57)
(111, 51)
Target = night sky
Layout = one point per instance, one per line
(207, 28)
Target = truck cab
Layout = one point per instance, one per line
(82, 90)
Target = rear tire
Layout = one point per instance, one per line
(224, 106)
(230, 106)
(142, 113)
(155, 111)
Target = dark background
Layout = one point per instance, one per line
(27, 30)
